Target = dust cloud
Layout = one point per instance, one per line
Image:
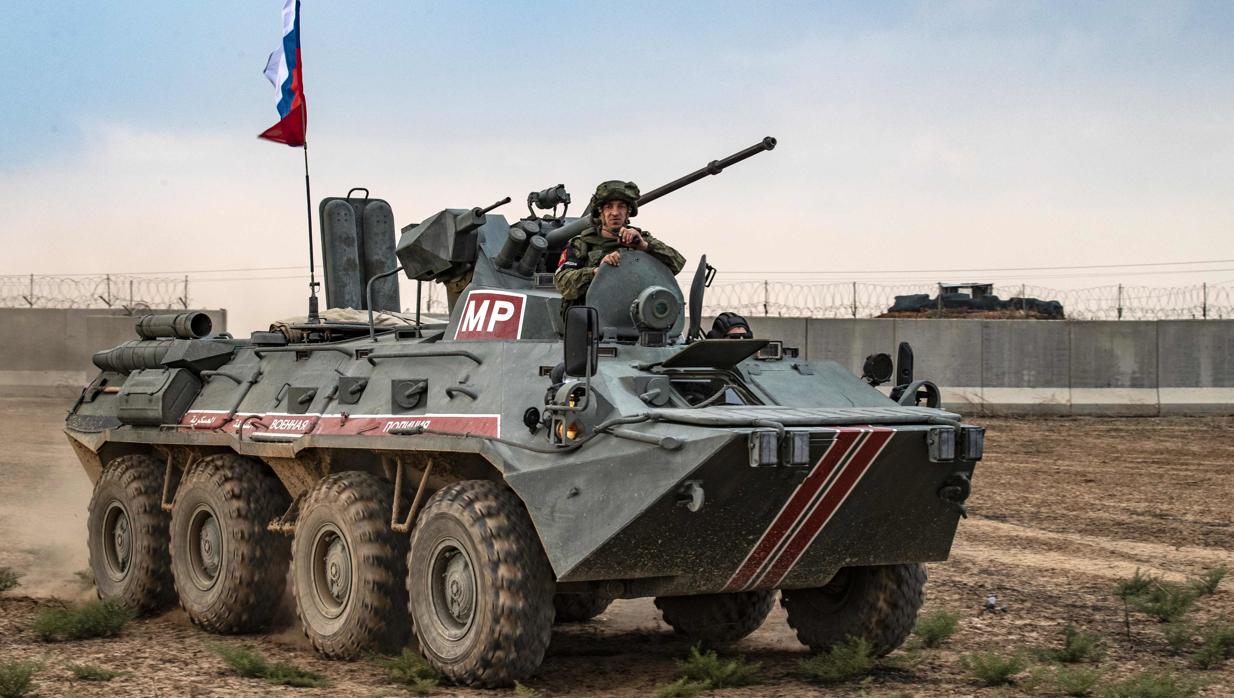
(44, 494)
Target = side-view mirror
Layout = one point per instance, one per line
(582, 340)
(904, 366)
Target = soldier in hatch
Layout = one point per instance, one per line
(600, 246)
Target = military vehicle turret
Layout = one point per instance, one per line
(478, 479)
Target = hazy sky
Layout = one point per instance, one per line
(930, 136)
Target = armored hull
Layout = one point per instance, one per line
(422, 468)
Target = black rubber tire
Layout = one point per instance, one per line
(483, 526)
(351, 508)
(717, 618)
(131, 485)
(879, 604)
(241, 497)
(578, 608)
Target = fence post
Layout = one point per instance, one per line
(30, 300)
(131, 303)
(766, 299)
(1120, 301)
(1023, 301)
(1204, 306)
(854, 299)
(108, 299)
(940, 300)
(185, 300)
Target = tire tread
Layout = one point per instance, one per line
(252, 497)
(140, 478)
(365, 506)
(514, 646)
(883, 610)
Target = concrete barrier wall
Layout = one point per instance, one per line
(1041, 366)
(46, 351)
(983, 366)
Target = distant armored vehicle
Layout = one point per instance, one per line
(515, 465)
(978, 302)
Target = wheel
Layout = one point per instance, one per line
(480, 586)
(717, 618)
(127, 535)
(879, 604)
(349, 567)
(229, 569)
(576, 608)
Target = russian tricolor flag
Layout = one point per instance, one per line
(283, 69)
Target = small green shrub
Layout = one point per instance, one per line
(15, 678)
(1078, 646)
(252, 665)
(89, 672)
(244, 662)
(523, 691)
(8, 579)
(681, 688)
(1207, 583)
(936, 627)
(709, 669)
(413, 671)
(849, 659)
(906, 661)
(1178, 636)
(1153, 684)
(1077, 681)
(1218, 646)
(1165, 601)
(992, 668)
(91, 619)
(1135, 585)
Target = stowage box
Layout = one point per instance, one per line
(153, 396)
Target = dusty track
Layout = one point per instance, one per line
(1061, 509)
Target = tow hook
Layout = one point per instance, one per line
(955, 491)
(690, 495)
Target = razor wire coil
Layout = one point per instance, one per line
(751, 298)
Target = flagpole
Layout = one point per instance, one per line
(313, 316)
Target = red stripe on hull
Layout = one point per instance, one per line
(335, 424)
(793, 508)
(835, 496)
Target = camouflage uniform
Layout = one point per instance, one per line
(581, 258)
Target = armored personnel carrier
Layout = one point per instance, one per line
(477, 480)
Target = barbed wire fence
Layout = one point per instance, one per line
(119, 291)
(752, 298)
(866, 300)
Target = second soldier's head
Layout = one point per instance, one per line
(613, 205)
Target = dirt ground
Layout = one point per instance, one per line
(1061, 509)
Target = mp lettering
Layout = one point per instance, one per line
(491, 315)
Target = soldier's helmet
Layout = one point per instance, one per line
(615, 190)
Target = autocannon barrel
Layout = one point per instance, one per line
(133, 355)
(715, 167)
(193, 325)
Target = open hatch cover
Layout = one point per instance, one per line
(715, 353)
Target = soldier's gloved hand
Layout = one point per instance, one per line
(612, 258)
(631, 237)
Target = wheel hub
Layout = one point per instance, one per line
(210, 547)
(205, 546)
(460, 588)
(331, 571)
(117, 541)
(453, 588)
(338, 570)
